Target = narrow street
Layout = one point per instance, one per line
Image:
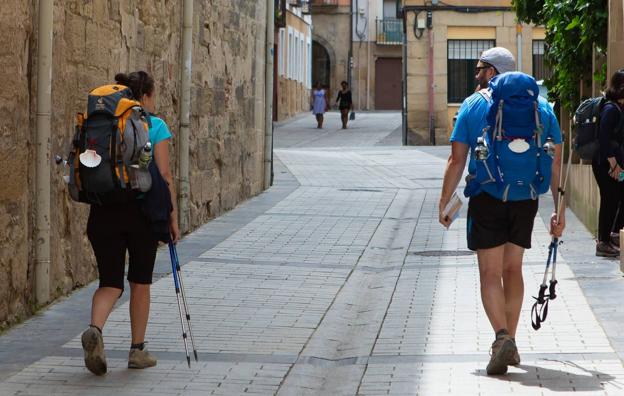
(339, 280)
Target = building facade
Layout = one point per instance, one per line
(293, 60)
(443, 44)
(364, 50)
(331, 42)
(91, 42)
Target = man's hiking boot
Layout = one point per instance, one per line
(140, 359)
(503, 351)
(604, 249)
(93, 346)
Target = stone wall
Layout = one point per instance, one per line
(93, 40)
(293, 98)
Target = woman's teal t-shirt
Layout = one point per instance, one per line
(159, 130)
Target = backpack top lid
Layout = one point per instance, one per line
(518, 92)
(110, 99)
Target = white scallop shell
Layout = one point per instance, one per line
(90, 159)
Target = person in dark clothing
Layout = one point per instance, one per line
(345, 103)
(608, 165)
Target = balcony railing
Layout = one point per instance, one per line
(324, 2)
(390, 31)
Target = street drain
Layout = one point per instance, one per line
(443, 253)
(359, 190)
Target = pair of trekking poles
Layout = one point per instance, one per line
(185, 316)
(539, 311)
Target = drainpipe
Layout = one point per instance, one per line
(519, 46)
(268, 95)
(185, 116)
(404, 83)
(42, 170)
(368, 58)
(431, 93)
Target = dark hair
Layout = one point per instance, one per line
(344, 82)
(615, 90)
(139, 82)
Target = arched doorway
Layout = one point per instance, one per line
(321, 65)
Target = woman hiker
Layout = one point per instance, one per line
(345, 103)
(320, 103)
(608, 165)
(117, 228)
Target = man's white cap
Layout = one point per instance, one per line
(500, 58)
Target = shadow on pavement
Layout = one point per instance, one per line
(558, 380)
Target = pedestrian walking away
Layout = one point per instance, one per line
(608, 166)
(345, 103)
(503, 191)
(319, 103)
(116, 228)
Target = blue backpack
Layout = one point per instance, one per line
(511, 163)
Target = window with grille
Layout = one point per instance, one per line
(462, 58)
(541, 70)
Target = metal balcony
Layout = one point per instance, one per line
(390, 31)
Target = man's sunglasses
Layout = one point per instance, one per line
(479, 68)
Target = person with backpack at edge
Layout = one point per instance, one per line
(114, 229)
(499, 229)
(607, 165)
(345, 103)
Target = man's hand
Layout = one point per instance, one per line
(556, 229)
(444, 220)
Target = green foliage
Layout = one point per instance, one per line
(572, 29)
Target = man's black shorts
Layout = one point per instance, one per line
(492, 222)
(115, 229)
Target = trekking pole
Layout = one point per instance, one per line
(539, 311)
(183, 293)
(177, 290)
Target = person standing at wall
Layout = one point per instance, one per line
(345, 103)
(320, 103)
(116, 228)
(498, 229)
(607, 167)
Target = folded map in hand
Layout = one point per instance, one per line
(451, 210)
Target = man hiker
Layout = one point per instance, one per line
(499, 226)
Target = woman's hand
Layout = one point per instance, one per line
(614, 172)
(174, 230)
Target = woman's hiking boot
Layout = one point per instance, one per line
(93, 346)
(615, 239)
(503, 351)
(605, 249)
(140, 359)
(515, 359)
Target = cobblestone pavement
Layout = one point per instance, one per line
(339, 281)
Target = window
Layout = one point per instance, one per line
(541, 70)
(462, 59)
(291, 47)
(280, 52)
(309, 65)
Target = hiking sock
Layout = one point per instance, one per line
(138, 346)
(97, 328)
(501, 333)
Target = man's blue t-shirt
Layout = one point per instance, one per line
(471, 120)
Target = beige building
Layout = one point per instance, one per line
(91, 41)
(293, 62)
(372, 49)
(444, 41)
(330, 43)
(377, 50)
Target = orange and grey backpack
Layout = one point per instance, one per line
(107, 145)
